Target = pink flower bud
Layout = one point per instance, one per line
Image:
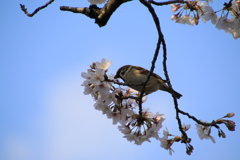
(230, 125)
(231, 114)
(219, 121)
(93, 65)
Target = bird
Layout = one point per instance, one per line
(134, 76)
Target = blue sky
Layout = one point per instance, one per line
(44, 114)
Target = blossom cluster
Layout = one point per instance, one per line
(167, 142)
(192, 11)
(119, 104)
(204, 132)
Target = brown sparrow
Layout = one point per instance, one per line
(133, 76)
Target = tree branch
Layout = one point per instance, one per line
(161, 40)
(101, 15)
(168, 2)
(157, 23)
(185, 137)
(213, 123)
(24, 9)
(84, 10)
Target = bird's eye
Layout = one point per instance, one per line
(122, 71)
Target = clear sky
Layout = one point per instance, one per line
(44, 114)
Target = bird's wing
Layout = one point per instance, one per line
(145, 71)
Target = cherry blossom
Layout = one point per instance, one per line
(104, 64)
(201, 9)
(120, 105)
(204, 132)
(165, 142)
(209, 14)
(185, 127)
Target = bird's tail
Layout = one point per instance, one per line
(176, 94)
(164, 87)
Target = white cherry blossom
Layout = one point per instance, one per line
(235, 32)
(175, 7)
(124, 129)
(103, 88)
(104, 64)
(204, 132)
(158, 120)
(165, 142)
(152, 133)
(97, 77)
(115, 116)
(138, 140)
(185, 127)
(209, 14)
(224, 23)
(102, 107)
(106, 98)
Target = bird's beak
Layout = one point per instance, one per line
(116, 76)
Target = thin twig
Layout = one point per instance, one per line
(168, 2)
(24, 9)
(157, 23)
(129, 97)
(124, 84)
(185, 137)
(161, 40)
(213, 123)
